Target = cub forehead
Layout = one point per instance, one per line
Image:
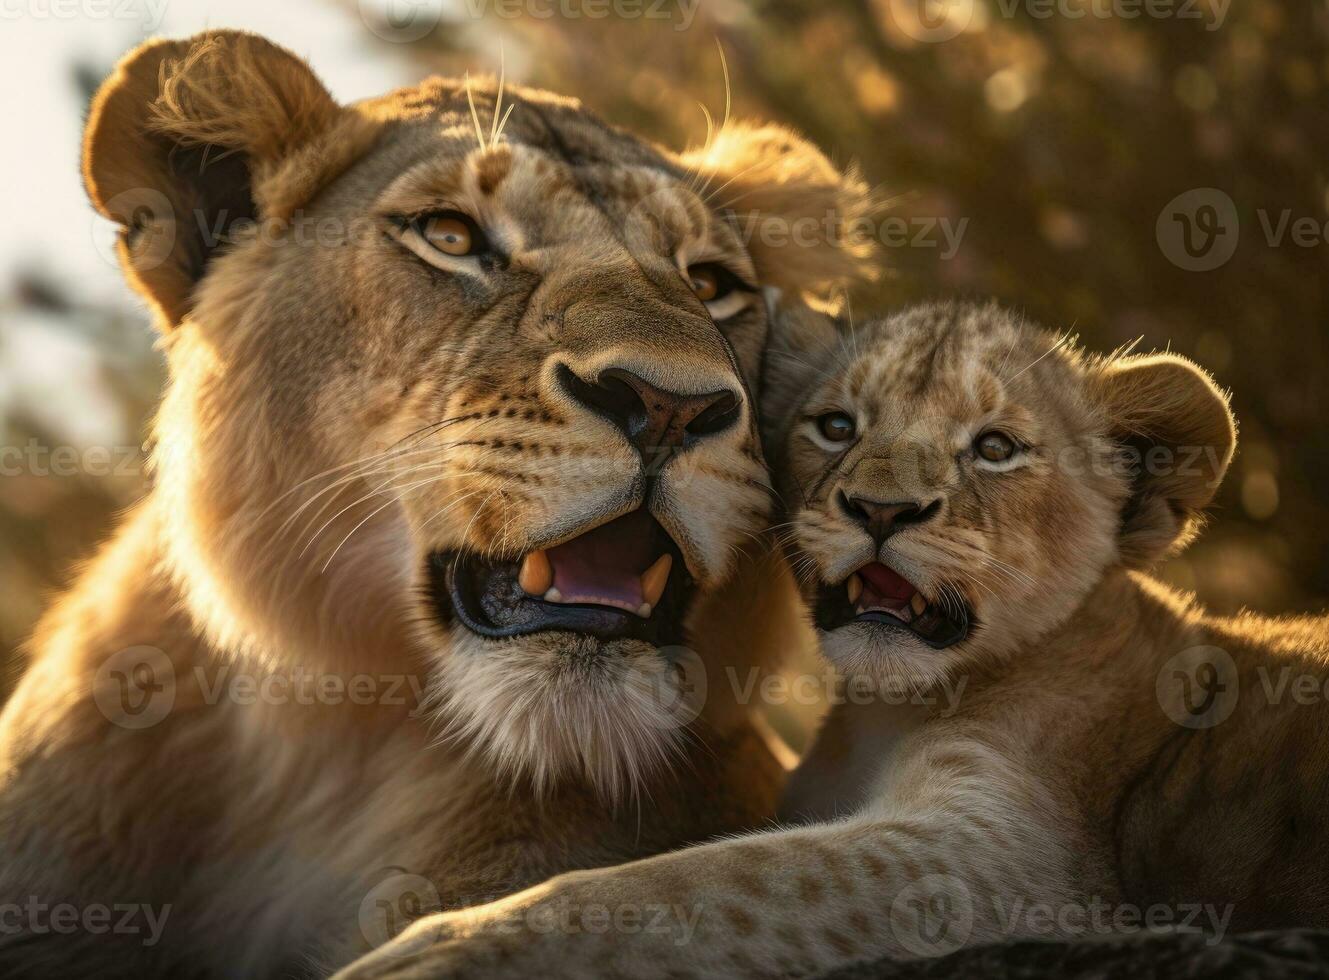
(978, 352)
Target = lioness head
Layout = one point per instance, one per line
(458, 375)
(959, 480)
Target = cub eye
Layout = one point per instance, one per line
(836, 426)
(452, 233)
(995, 447)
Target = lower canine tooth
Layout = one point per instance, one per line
(553, 595)
(644, 610)
(653, 582)
(855, 587)
(918, 603)
(536, 575)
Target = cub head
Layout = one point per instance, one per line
(958, 480)
(459, 377)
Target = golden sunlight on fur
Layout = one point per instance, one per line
(1080, 746)
(456, 464)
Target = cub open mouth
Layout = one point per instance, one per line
(878, 594)
(621, 580)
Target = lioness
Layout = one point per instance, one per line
(459, 441)
(973, 499)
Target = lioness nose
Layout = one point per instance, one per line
(655, 420)
(884, 518)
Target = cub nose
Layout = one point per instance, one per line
(657, 421)
(884, 518)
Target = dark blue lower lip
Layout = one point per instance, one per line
(483, 595)
(946, 631)
(938, 628)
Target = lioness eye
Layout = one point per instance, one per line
(451, 232)
(705, 282)
(836, 426)
(995, 447)
(723, 292)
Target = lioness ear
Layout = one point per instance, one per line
(802, 220)
(187, 138)
(1178, 436)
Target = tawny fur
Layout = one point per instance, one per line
(1089, 777)
(336, 411)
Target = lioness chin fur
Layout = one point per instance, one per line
(310, 690)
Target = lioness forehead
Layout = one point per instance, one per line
(543, 171)
(518, 134)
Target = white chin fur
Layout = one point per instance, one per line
(888, 660)
(550, 707)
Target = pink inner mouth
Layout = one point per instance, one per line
(884, 588)
(604, 566)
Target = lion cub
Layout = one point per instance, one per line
(974, 502)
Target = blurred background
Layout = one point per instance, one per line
(1119, 168)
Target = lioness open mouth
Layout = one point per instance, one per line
(878, 594)
(622, 580)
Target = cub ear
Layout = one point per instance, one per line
(803, 221)
(187, 138)
(1178, 435)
